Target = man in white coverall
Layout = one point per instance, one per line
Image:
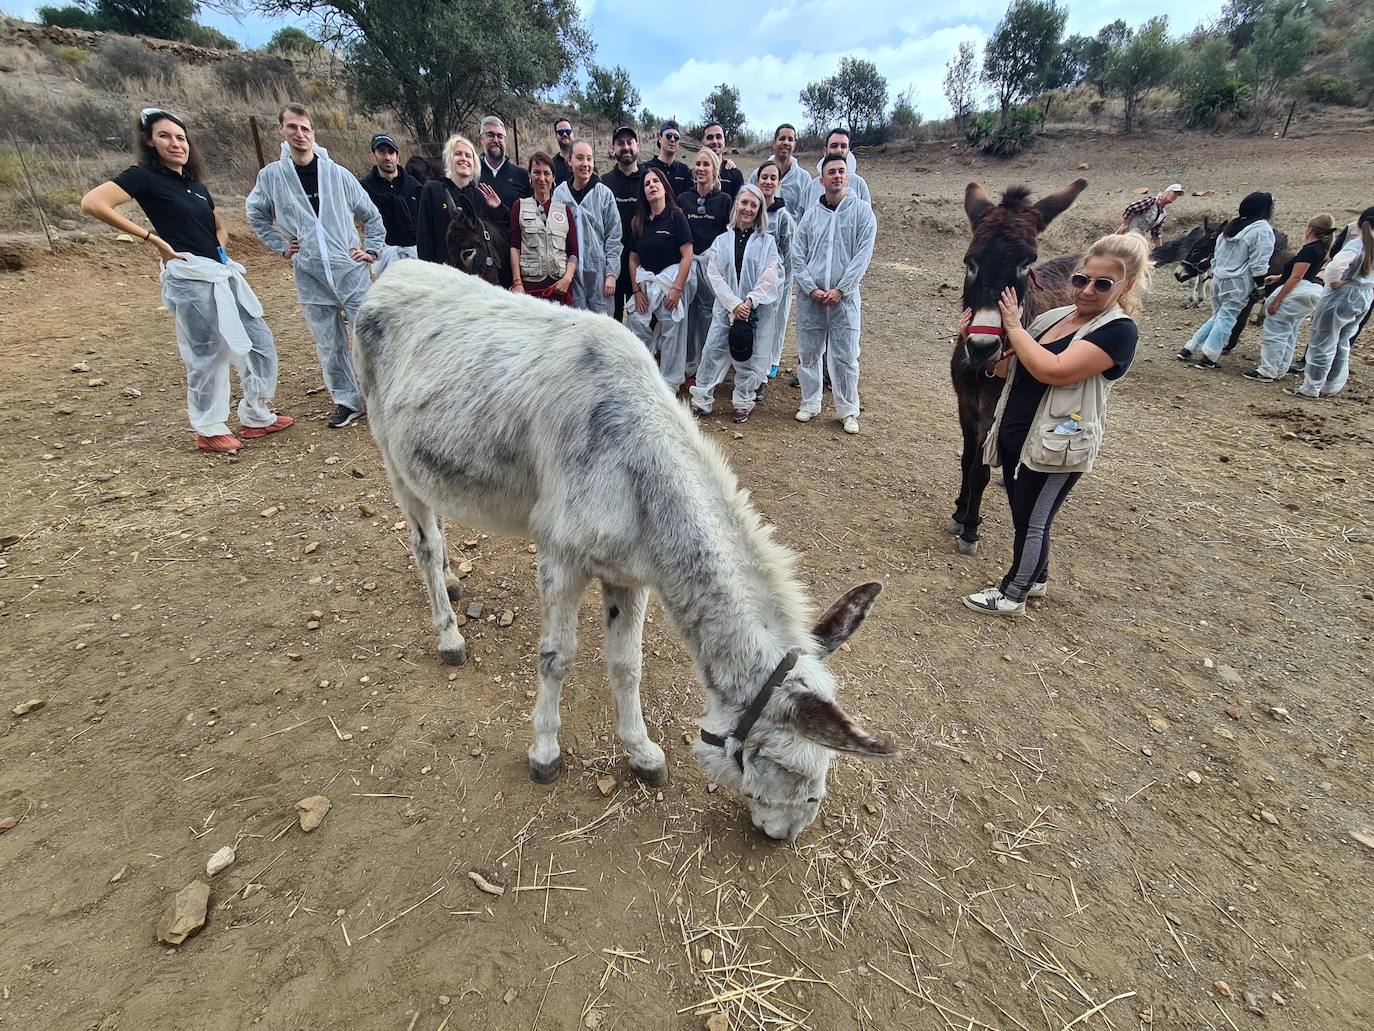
(830, 254)
(306, 208)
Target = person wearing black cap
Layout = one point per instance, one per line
(624, 182)
(396, 193)
(679, 175)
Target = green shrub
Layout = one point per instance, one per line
(291, 40)
(122, 61)
(205, 36)
(68, 17)
(1329, 89)
(73, 57)
(989, 136)
(1209, 91)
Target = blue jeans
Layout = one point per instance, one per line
(1228, 300)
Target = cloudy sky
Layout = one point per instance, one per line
(676, 54)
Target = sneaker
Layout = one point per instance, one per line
(795, 381)
(1257, 376)
(284, 422)
(851, 424)
(1299, 392)
(1184, 355)
(740, 415)
(758, 394)
(773, 372)
(1038, 590)
(994, 603)
(699, 413)
(1206, 365)
(219, 444)
(805, 416)
(343, 416)
(1299, 366)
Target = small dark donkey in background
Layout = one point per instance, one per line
(1002, 253)
(477, 244)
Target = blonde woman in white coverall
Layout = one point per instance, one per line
(598, 232)
(745, 272)
(218, 318)
(306, 208)
(830, 254)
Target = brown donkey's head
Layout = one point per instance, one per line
(478, 247)
(1001, 254)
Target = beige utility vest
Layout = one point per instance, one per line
(1046, 451)
(543, 242)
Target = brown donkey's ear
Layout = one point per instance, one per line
(1051, 206)
(843, 618)
(977, 203)
(822, 721)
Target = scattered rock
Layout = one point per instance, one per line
(509, 997)
(311, 548)
(8, 824)
(1268, 817)
(1147, 751)
(712, 788)
(313, 624)
(1364, 836)
(533, 549)
(475, 610)
(507, 617)
(1158, 724)
(185, 915)
(65, 409)
(1084, 167)
(717, 1022)
(312, 811)
(99, 381)
(706, 955)
(1278, 998)
(1173, 919)
(605, 784)
(1234, 712)
(593, 1020)
(357, 473)
(268, 513)
(120, 875)
(365, 510)
(81, 367)
(444, 1000)
(370, 586)
(1208, 664)
(1194, 776)
(1278, 712)
(131, 392)
(32, 705)
(221, 860)
(1223, 988)
(1252, 1003)
(249, 890)
(1141, 191)
(1229, 676)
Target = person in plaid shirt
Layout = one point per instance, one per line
(1146, 216)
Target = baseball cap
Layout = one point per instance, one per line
(623, 130)
(382, 139)
(669, 124)
(1176, 188)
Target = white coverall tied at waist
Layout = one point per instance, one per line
(330, 284)
(219, 322)
(1280, 340)
(831, 251)
(664, 332)
(760, 282)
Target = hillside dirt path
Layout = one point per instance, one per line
(1038, 856)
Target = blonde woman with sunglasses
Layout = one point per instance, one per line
(1050, 419)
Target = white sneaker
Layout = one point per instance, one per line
(805, 416)
(994, 603)
(851, 424)
(1038, 590)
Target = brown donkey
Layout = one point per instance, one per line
(1002, 253)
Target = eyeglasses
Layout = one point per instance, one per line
(562, 132)
(671, 137)
(1102, 284)
(494, 135)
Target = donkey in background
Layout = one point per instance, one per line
(467, 397)
(1002, 253)
(478, 244)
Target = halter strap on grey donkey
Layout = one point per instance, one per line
(751, 715)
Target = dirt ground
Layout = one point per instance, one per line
(1133, 807)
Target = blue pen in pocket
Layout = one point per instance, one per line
(223, 255)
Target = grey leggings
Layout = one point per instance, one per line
(1034, 498)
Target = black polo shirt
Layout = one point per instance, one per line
(180, 209)
(511, 182)
(660, 245)
(679, 175)
(707, 216)
(625, 188)
(562, 171)
(731, 179)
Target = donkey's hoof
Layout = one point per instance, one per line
(654, 776)
(454, 656)
(955, 528)
(546, 773)
(453, 587)
(967, 547)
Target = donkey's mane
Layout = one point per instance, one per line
(1016, 197)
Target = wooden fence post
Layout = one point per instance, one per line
(257, 140)
(33, 193)
(1291, 108)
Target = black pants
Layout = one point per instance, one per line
(623, 287)
(1035, 499)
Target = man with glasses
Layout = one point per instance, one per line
(731, 178)
(624, 182)
(307, 209)
(679, 175)
(565, 137)
(510, 182)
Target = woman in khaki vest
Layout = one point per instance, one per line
(543, 239)
(1050, 418)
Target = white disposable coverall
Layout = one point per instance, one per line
(1237, 262)
(598, 245)
(831, 251)
(1280, 339)
(782, 227)
(329, 283)
(1335, 321)
(798, 192)
(759, 282)
(667, 339)
(219, 321)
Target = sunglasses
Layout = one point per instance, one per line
(151, 114)
(671, 137)
(1101, 284)
(562, 132)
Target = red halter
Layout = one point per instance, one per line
(1000, 332)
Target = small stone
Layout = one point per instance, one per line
(1084, 167)
(846, 854)
(1158, 724)
(1229, 676)
(1208, 664)
(32, 705)
(295, 656)
(313, 624)
(1194, 776)
(65, 409)
(1278, 712)
(8, 824)
(119, 875)
(425, 771)
(1223, 988)
(444, 1000)
(1278, 998)
(221, 860)
(507, 617)
(370, 585)
(1173, 919)
(1225, 734)
(605, 784)
(365, 510)
(706, 955)
(312, 811)
(311, 548)
(185, 915)
(717, 1022)
(1364, 836)
(474, 610)
(509, 997)
(1234, 712)
(131, 392)
(249, 890)
(989, 827)
(712, 788)
(268, 513)
(99, 381)
(1268, 817)
(81, 367)
(1252, 1003)
(532, 549)
(357, 473)
(1147, 751)
(464, 567)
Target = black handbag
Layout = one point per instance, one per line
(742, 338)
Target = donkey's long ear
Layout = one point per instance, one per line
(1052, 205)
(977, 203)
(822, 721)
(843, 618)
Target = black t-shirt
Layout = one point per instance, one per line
(310, 180)
(679, 175)
(707, 216)
(1118, 338)
(562, 171)
(731, 179)
(741, 242)
(1314, 254)
(577, 194)
(625, 188)
(180, 209)
(660, 245)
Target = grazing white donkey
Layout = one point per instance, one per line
(534, 419)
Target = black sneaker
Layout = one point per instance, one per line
(1206, 365)
(1184, 355)
(1257, 376)
(795, 381)
(739, 415)
(1299, 366)
(343, 416)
